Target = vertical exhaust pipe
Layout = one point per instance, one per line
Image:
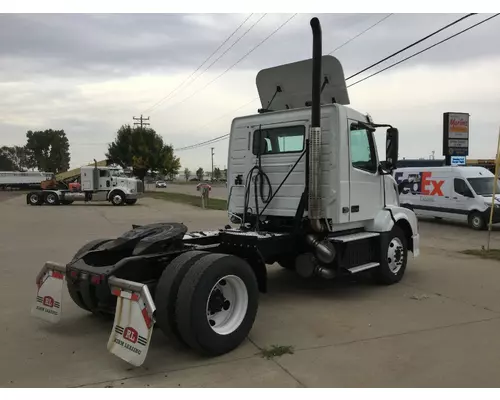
(315, 204)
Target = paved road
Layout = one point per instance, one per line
(437, 328)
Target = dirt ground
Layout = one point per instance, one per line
(437, 328)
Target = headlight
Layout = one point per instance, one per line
(132, 190)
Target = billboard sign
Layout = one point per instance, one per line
(455, 134)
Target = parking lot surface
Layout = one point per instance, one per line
(437, 328)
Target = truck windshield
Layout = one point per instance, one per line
(116, 172)
(483, 186)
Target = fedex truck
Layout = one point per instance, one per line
(454, 193)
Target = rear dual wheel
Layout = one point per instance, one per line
(207, 301)
(52, 199)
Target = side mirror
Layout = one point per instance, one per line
(391, 148)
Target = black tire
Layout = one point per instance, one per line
(392, 266)
(476, 221)
(74, 293)
(167, 291)
(66, 202)
(52, 199)
(194, 293)
(117, 198)
(34, 199)
(131, 202)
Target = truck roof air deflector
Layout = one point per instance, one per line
(294, 80)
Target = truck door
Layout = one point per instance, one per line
(366, 198)
(104, 179)
(462, 200)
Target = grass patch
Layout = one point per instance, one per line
(213, 204)
(492, 254)
(276, 351)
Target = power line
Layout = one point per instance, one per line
(237, 62)
(205, 143)
(203, 63)
(224, 115)
(412, 45)
(222, 55)
(399, 62)
(424, 50)
(359, 34)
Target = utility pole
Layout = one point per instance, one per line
(141, 119)
(212, 152)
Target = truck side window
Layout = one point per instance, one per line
(461, 187)
(103, 173)
(289, 139)
(362, 149)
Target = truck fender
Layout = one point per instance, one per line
(387, 218)
(111, 192)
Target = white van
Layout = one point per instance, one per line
(456, 193)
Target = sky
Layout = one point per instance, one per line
(91, 73)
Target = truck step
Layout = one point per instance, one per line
(363, 267)
(354, 236)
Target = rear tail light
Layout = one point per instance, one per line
(95, 279)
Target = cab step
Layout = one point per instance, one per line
(364, 267)
(354, 237)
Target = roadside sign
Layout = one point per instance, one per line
(458, 160)
(455, 134)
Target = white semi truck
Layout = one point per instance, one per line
(97, 184)
(307, 190)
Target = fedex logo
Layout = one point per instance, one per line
(424, 184)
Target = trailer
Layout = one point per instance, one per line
(306, 189)
(23, 179)
(98, 183)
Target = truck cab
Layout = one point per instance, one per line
(357, 191)
(106, 183)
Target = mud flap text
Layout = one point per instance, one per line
(132, 328)
(48, 304)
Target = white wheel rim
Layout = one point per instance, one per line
(117, 199)
(227, 305)
(51, 199)
(476, 221)
(395, 255)
(34, 198)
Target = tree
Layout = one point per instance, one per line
(200, 173)
(217, 173)
(18, 157)
(143, 150)
(5, 163)
(187, 173)
(48, 150)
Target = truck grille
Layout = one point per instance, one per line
(140, 187)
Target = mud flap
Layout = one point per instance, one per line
(134, 321)
(48, 304)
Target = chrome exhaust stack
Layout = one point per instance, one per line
(315, 200)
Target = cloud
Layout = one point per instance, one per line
(90, 73)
